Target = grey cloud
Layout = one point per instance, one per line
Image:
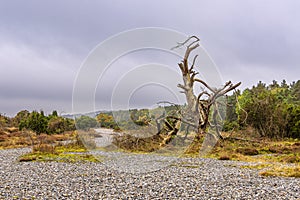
(43, 43)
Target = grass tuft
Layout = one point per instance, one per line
(290, 171)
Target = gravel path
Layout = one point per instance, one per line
(184, 178)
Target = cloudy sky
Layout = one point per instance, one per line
(44, 43)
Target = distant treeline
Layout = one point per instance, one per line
(272, 110)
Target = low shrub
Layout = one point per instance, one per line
(44, 148)
(247, 151)
(224, 157)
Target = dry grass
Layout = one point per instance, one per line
(19, 139)
(275, 169)
(286, 171)
(46, 147)
(274, 155)
(146, 143)
(14, 140)
(135, 144)
(72, 152)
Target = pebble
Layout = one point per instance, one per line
(130, 176)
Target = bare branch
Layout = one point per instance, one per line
(198, 98)
(189, 49)
(205, 84)
(181, 66)
(180, 44)
(223, 91)
(201, 94)
(182, 87)
(193, 75)
(194, 60)
(192, 43)
(229, 89)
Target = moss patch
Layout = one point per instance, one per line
(258, 166)
(287, 171)
(73, 152)
(61, 157)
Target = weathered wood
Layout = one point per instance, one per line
(198, 110)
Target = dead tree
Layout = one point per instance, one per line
(199, 107)
(200, 113)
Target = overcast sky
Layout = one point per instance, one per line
(43, 43)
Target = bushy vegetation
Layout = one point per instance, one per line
(4, 121)
(106, 120)
(39, 123)
(273, 110)
(85, 122)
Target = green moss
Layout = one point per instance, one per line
(292, 171)
(61, 153)
(70, 148)
(60, 157)
(258, 166)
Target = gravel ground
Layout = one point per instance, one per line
(183, 178)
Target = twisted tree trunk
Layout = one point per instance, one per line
(198, 108)
(195, 114)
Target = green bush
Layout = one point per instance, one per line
(85, 122)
